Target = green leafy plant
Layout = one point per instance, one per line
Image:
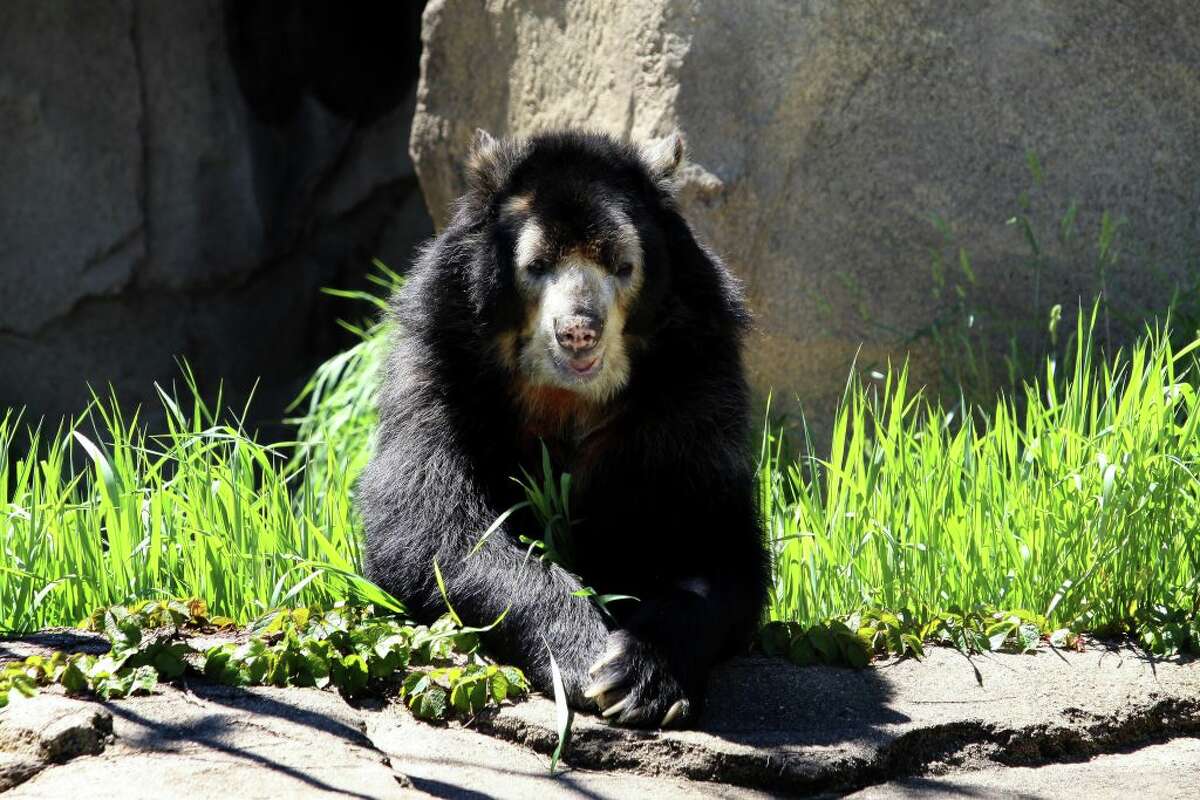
(144, 647)
(438, 669)
(857, 639)
(1164, 629)
(190, 614)
(833, 643)
(352, 648)
(107, 677)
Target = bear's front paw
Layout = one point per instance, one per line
(632, 684)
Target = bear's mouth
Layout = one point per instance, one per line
(581, 369)
(584, 366)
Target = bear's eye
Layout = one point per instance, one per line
(538, 267)
(624, 270)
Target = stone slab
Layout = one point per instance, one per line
(1013, 724)
(1167, 771)
(216, 742)
(774, 726)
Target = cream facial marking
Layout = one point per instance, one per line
(529, 244)
(578, 286)
(629, 244)
(576, 306)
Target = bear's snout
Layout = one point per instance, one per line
(578, 334)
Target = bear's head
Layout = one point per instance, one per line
(576, 262)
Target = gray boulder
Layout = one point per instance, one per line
(180, 181)
(84, 122)
(824, 136)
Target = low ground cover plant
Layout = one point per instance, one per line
(437, 670)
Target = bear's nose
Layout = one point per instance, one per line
(579, 333)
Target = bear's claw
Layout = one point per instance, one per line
(632, 684)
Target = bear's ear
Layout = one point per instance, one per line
(662, 158)
(490, 162)
(482, 143)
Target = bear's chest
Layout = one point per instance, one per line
(559, 424)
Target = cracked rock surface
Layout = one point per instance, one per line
(778, 727)
(50, 730)
(218, 742)
(1103, 723)
(1162, 771)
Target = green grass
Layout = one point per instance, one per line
(1082, 508)
(1078, 506)
(99, 513)
(338, 402)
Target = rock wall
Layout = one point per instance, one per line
(825, 135)
(180, 179)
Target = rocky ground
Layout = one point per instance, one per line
(1107, 722)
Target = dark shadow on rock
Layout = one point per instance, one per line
(212, 730)
(766, 701)
(934, 787)
(259, 704)
(767, 725)
(561, 784)
(43, 643)
(446, 790)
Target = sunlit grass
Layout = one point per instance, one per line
(1083, 506)
(1080, 503)
(98, 512)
